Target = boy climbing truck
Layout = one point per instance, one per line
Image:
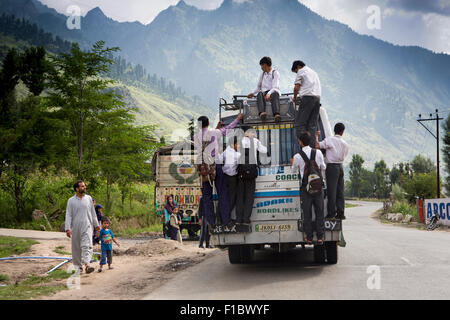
(175, 175)
(276, 219)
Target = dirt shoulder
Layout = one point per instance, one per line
(140, 266)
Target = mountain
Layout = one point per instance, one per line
(158, 101)
(377, 89)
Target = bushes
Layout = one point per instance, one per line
(49, 192)
(404, 208)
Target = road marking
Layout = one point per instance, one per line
(407, 261)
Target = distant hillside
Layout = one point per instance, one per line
(158, 100)
(376, 88)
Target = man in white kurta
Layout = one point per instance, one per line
(81, 221)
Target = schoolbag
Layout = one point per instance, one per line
(207, 169)
(312, 177)
(248, 168)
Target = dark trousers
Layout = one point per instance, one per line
(308, 202)
(335, 187)
(106, 257)
(274, 101)
(307, 117)
(173, 232)
(245, 199)
(224, 204)
(232, 187)
(204, 234)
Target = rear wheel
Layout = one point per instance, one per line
(234, 254)
(319, 254)
(240, 254)
(331, 249)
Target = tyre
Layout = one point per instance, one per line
(319, 254)
(247, 253)
(240, 254)
(234, 254)
(331, 250)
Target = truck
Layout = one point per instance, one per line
(276, 217)
(175, 174)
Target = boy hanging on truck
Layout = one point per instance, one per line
(268, 89)
(230, 159)
(206, 143)
(337, 151)
(247, 174)
(307, 86)
(311, 165)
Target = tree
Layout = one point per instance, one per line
(355, 174)
(423, 185)
(25, 130)
(381, 173)
(420, 164)
(80, 97)
(33, 69)
(446, 151)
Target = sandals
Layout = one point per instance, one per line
(320, 241)
(89, 269)
(308, 242)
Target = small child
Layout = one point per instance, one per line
(175, 223)
(106, 236)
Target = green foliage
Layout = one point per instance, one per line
(421, 164)
(404, 208)
(4, 277)
(34, 286)
(59, 250)
(398, 192)
(420, 185)
(14, 246)
(355, 174)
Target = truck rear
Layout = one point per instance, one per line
(175, 175)
(276, 218)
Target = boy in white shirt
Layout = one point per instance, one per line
(230, 159)
(308, 200)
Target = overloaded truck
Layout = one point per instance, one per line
(176, 175)
(276, 218)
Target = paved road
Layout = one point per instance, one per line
(33, 234)
(413, 264)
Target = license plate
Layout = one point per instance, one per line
(273, 227)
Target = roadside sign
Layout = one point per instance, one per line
(440, 206)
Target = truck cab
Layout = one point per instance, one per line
(276, 218)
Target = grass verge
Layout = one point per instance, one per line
(59, 250)
(130, 232)
(14, 246)
(35, 286)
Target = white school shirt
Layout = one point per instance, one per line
(337, 149)
(299, 163)
(230, 160)
(268, 82)
(309, 82)
(258, 145)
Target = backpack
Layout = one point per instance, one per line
(207, 169)
(248, 168)
(312, 177)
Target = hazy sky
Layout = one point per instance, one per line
(407, 22)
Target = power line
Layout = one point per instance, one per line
(436, 136)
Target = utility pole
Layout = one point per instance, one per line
(436, 136)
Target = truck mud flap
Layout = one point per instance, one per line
(330, 225)
(238, 228)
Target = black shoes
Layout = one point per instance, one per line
(341, 217)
